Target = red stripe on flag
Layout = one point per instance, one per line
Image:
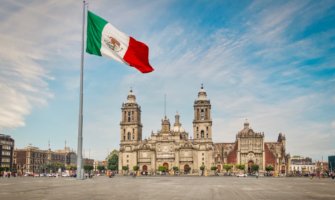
(137, 56)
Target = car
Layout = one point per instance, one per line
(51, 175)
(241, 175)
(28, 174)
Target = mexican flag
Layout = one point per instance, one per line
(103, 39)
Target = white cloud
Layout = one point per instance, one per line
(30, 46)
(246, 70)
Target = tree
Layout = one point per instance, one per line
(125, 168)
(88, 168)
(255, 168)
(161, 168)
(136, 168)
(213, 168)
(53, 167)
(269, 168)
(240, 167)
(113, 160)
(202, 168)
(227, 167)
(175, 169)
(100, 168)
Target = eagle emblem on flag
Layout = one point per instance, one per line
(113, 44)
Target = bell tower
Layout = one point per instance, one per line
(131, 126)
(202, 123)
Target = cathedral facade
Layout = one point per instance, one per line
(172, 146)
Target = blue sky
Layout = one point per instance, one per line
(272, 62)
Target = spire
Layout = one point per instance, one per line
(165, 125)
(202, 95)
(165, 105)
(246, 124)
(131, 98)
(177, 122)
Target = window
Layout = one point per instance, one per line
(129, 136)
(132, 115)
(129, 116)
(202, 114)
(197, 135)
(133, 136)
(202, 134)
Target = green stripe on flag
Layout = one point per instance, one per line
(95, 25)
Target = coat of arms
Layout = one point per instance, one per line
(113, 44)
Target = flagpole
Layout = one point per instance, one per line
(80, 170)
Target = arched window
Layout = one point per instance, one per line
(128, 135)
(207, 132)
(132, 115)
(202, 114)
(128, 116)
(202, 133)
(133, 136)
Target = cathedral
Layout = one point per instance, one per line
(172, 146)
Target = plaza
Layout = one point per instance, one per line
(167, 187)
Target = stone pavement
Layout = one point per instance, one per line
(169, 188)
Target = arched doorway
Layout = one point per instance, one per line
(166, 165)
(250, 164)
(145, 168)
(187, 169)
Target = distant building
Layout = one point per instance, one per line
(172, 146)
(302, 165)
(88, 161)
(69, 155)
(99, 163)
(331, 163)
(31, 159)
(34, 160)
(321, 167)
(6, 151)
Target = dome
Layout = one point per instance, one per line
(178, 129)
(202, 95)
(131, 98)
